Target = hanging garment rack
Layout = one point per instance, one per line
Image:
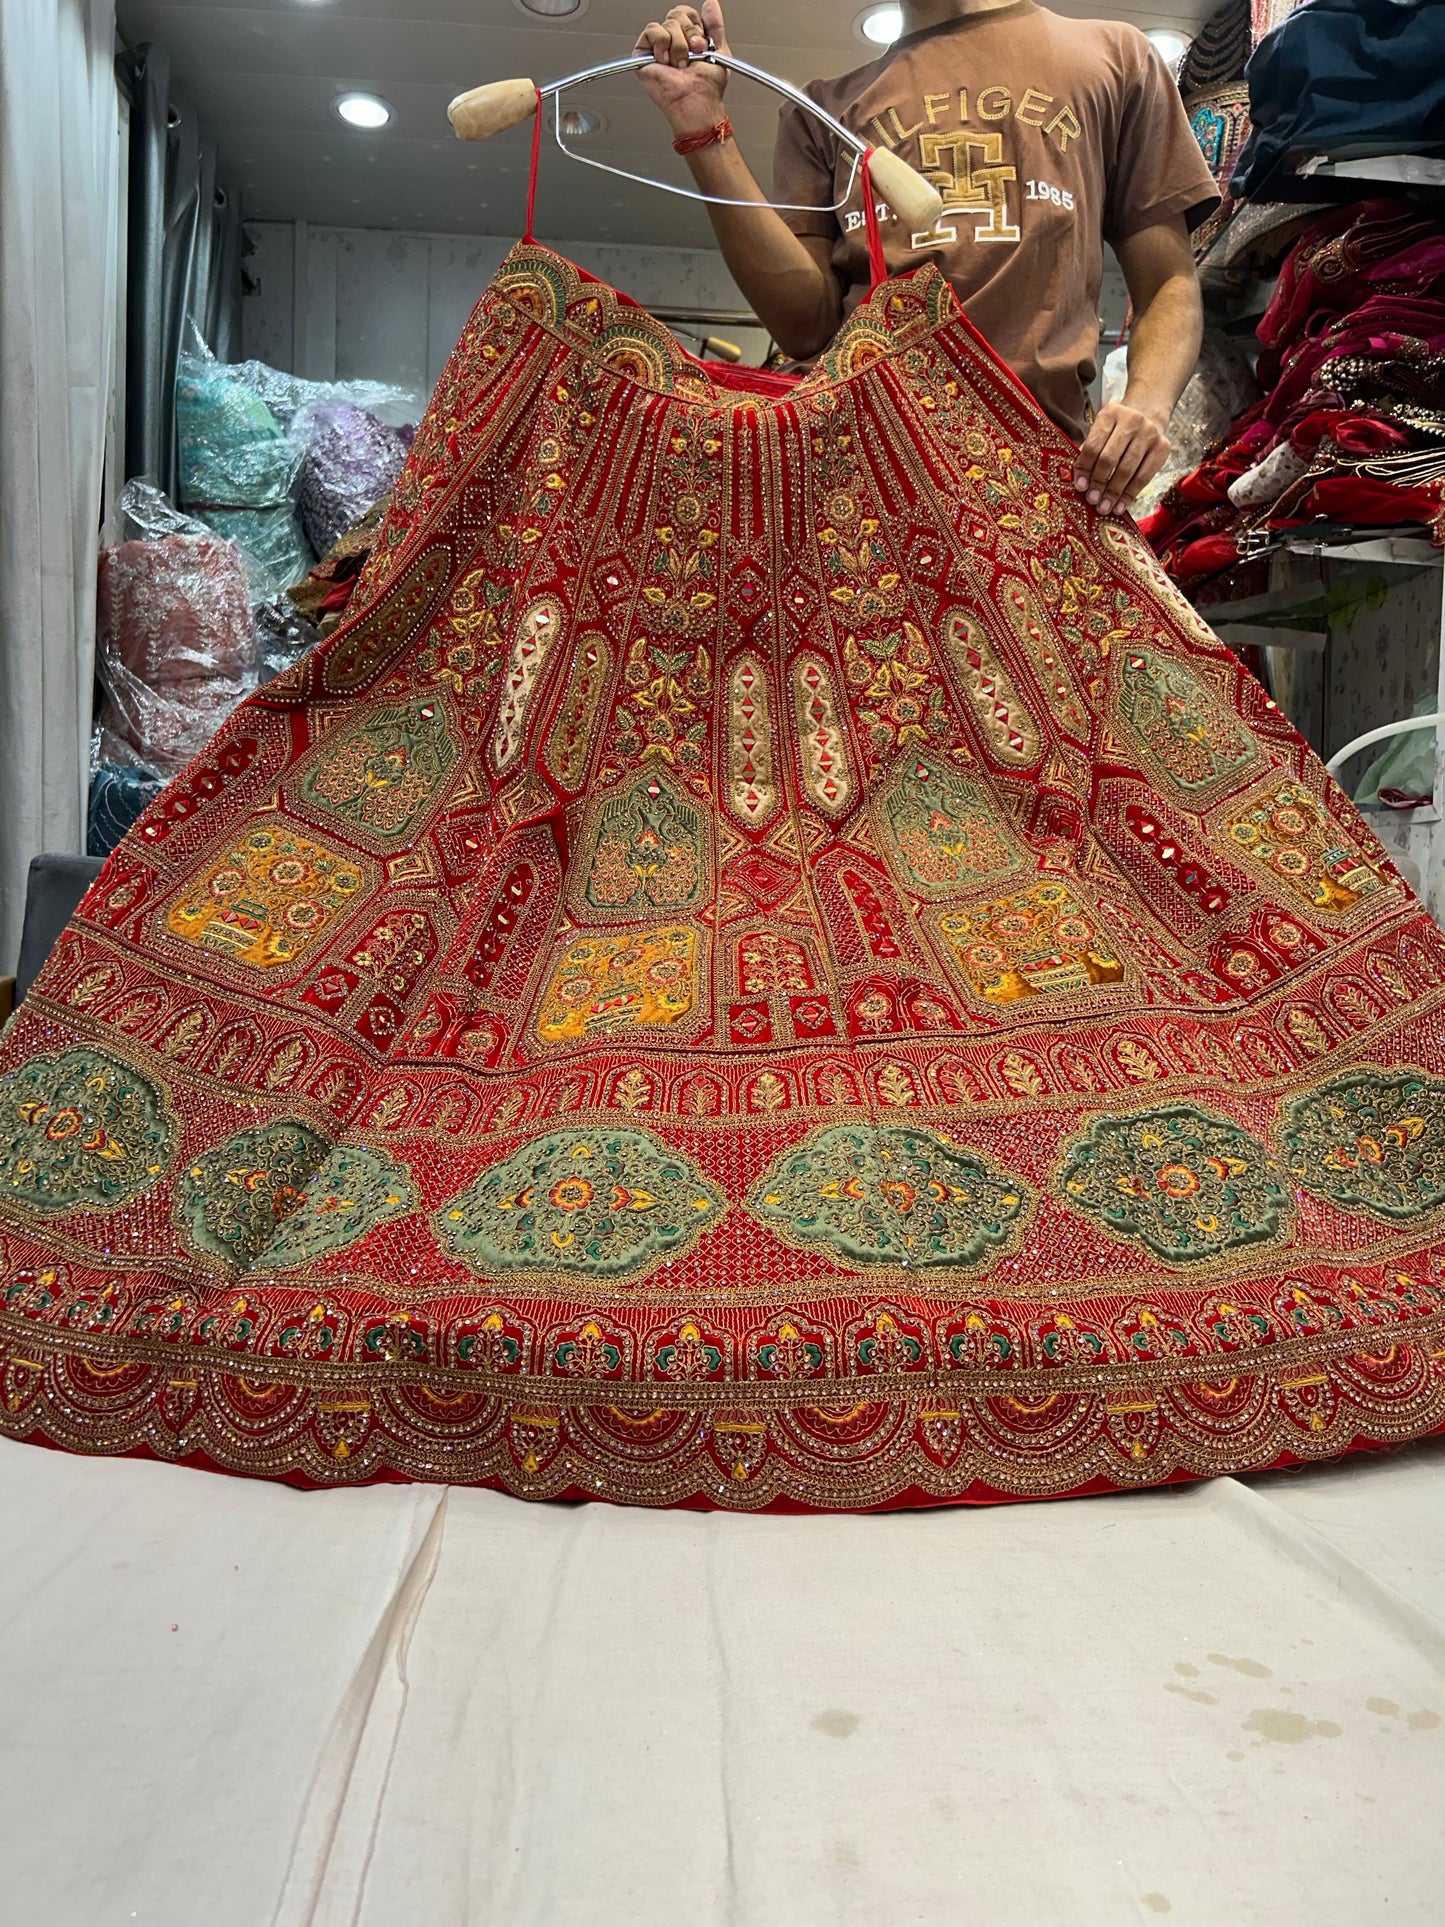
(500, 104)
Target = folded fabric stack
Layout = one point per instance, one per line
(351, 461)
(176, 652)
(1216, 99)
(237, 465)
(1350, 429)
(177, 646)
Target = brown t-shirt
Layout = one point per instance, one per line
(1047, 137)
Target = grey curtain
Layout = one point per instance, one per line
(59, 303)
(184, 259)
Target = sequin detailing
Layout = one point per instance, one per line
(602, 1203)
(890, 1196)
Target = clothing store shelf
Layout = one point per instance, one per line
(1379, 170)
(1267, 635)
(1369, 545)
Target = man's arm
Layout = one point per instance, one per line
(1127, 443)
(789, 281)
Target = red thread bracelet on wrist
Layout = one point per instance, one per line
(694, 143)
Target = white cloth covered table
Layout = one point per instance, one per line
(227, 1702)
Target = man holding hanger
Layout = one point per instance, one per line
(1047, 137)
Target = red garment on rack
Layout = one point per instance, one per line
(771, 960)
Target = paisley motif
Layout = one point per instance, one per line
(605, 1203)
(383, 774)
(353, 1192)
(231, 1200)
(891, 1195)
(1373, 1142)
(81, 1132)
(1186, 1184)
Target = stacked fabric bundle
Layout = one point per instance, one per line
(177, 646)
(1351, 427)
(176, 650)
(237, 465)
(352, 460)
(1216, 99)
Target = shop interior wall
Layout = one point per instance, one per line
(1378, 662)
(386, 306)
(339, 304)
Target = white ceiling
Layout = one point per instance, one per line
(263, 76)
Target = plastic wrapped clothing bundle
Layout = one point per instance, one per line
(237, 465)
(119, 792)
(352, 461)
(175, 638)
(283, 635)
(291, 397)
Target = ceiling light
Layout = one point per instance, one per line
(362, 110)
(553, 9)
(1172, 46)
(880, 25)
(577, 123)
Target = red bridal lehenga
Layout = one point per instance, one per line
(771, 961)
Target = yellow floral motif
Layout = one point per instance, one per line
(1040, 943)
(1289, 836)
(606, 984)
(268, 899)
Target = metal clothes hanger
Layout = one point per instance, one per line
(500, 104)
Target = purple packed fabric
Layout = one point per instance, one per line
(351, 462)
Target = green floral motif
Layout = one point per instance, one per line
(1373, 1143)
(382, 774)
(604, 1202)
(891, 1195)
(1188, 730)
(353, 1192)
(1186, 1183)
(233, 1197)
(81, 1132)
(946, 836)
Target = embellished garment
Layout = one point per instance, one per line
(770, 960)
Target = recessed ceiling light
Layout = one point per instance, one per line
(1172, 46)
(554, 9)
(362, 110)
(577, 123)
(880, 26)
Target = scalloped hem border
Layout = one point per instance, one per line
(888, 1454)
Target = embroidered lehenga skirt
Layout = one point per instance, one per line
(772, 960)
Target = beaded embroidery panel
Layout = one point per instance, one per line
(771, 960)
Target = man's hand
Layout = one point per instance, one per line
(688, 92)
(1125, 449)
(1128, 442)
